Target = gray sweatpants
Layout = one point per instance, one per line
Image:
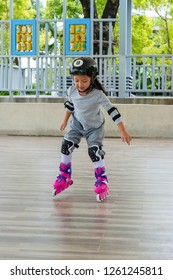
(93, 136)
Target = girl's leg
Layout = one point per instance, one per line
(63, 179)
(95, 143)
(70, 142)
(101, 185)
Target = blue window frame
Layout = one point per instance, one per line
(23, 37)
(77, 40)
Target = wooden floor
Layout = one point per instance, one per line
(135, 222)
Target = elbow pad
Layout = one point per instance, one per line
(69, 106)
(114, 113)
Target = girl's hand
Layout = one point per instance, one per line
(126, 138)
(63, 125)
(65, 120)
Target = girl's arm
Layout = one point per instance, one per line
(65, 120)
(124, 134)
(116, 117)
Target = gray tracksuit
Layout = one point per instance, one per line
(87, 117)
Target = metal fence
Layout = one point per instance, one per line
(152, 75)
(47, 73)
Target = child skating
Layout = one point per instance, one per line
(84, 100)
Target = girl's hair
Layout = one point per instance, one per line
(98, 85)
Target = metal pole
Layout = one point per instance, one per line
(64, 57)
(129, 40)
(10, 57)
(37, 52)
(92, 25)
(123, 48)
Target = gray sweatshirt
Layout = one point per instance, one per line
(87, 109)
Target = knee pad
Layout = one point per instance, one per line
(67, 147)
(96, 153)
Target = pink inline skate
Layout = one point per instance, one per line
(101, 184)
(63, 180)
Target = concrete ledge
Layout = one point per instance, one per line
(141, 120)
(117, 100)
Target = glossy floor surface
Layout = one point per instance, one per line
(135, 222)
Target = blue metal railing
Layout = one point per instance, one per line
(47, 73)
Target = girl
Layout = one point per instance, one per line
(84, 100)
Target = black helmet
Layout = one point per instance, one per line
(84, 66)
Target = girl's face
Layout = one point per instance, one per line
(82, 82)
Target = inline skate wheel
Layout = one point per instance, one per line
(54, 193)
(98, 198)
(102, 196)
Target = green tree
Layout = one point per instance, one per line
(81, 8)
(162, 37)
(149, 40)
(23, 9)
(4, 8)
(141, 27)
(54, 9)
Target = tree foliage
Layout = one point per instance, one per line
(81, 8)
(54, 9)
(4, 8)
(22, 9)
(141, 27)
(149, 34)
(161, 33)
